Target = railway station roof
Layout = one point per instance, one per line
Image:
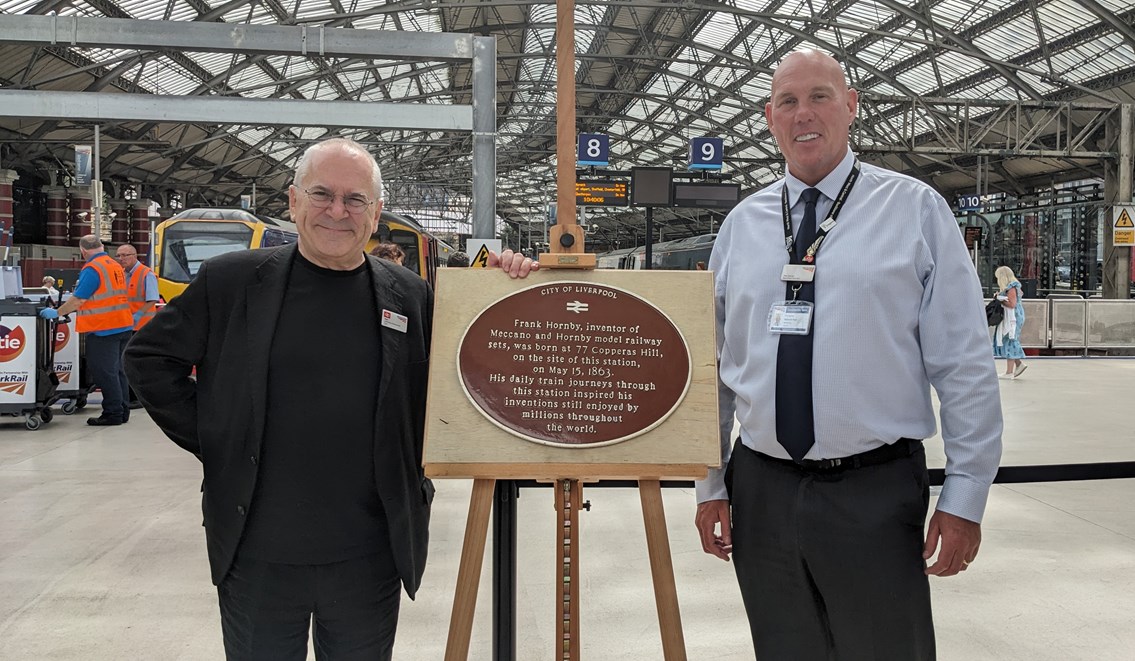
(1015, 94)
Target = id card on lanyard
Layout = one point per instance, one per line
(794, 317)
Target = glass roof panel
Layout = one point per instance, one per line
(678, 88)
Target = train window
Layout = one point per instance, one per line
(186, 245)
(273, 238)
(408, 242)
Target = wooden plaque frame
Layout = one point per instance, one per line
(461, 442)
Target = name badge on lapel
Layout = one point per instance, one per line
(394, 320)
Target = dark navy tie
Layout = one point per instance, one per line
(795, 426)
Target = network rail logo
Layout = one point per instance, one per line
(15, 384)
(12, 343)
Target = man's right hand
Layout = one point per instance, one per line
(710, 514)
(49, 313)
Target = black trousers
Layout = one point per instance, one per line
(351, 607)
(104, 360)
(830, 565)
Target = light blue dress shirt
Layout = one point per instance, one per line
(898, 309)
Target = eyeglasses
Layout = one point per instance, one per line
(321, 199)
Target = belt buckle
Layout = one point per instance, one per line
(830, 464)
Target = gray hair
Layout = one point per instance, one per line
(91, 242)
(345, 144)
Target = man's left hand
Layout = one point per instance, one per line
(515, 264)
(960, 540)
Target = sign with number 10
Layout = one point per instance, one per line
(594, 149)
(706, 153)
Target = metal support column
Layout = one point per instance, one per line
(504, 570)
(649, 255)
(1118, 191)
(484, 137)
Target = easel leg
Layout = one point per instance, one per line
(469, 574)
(662, 570)
(569, 494)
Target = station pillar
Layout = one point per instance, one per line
(140, 229)
(120, 224)
(56, 215)
(7, 178)
(80, 214)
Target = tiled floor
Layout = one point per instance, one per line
(102, 556)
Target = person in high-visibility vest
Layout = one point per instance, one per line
(141, 292)
(104, 316)
(141, 285)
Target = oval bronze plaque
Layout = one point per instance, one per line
(574, 364)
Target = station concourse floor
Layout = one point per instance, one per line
(102, 556)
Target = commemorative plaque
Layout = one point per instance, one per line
(605, 374)
(574, 364)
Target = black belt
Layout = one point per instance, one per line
(904, 447)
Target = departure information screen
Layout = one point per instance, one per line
(601, 193)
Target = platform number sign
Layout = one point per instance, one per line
(594, 149)
(706, 153)
(969, 204)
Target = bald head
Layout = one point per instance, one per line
(817, 62)
(810, 112)
(91, 242)
(127, 256)
(346, 145)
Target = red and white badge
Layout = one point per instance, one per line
(394, 320)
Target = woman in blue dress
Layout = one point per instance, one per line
(1007, 335)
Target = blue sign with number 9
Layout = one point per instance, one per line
(706, 153)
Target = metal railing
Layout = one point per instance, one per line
(1071, 322)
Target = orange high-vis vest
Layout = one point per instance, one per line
(108, 308)
(136, 294)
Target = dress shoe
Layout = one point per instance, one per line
(103, 422)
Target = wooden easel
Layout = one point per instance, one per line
(569, 498)
(567, 252)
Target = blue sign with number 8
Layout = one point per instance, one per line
(594, 149)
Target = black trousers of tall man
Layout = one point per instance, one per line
(830, 563)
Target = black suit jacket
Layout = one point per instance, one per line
(223, 324)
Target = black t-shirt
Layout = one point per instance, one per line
(315, 500)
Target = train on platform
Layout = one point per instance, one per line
(186, 240)
(685, 254)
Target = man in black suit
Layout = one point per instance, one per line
(307, 413)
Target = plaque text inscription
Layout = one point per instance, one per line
(574, 364)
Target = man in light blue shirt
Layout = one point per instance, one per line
(830, 338)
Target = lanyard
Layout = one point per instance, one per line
(824, 227)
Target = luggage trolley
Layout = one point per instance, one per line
(27, 363)
(73, 389)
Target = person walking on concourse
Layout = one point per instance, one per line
(307, 415)
(844, 293)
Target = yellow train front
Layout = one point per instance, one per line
(185, 241)
(424, 252)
